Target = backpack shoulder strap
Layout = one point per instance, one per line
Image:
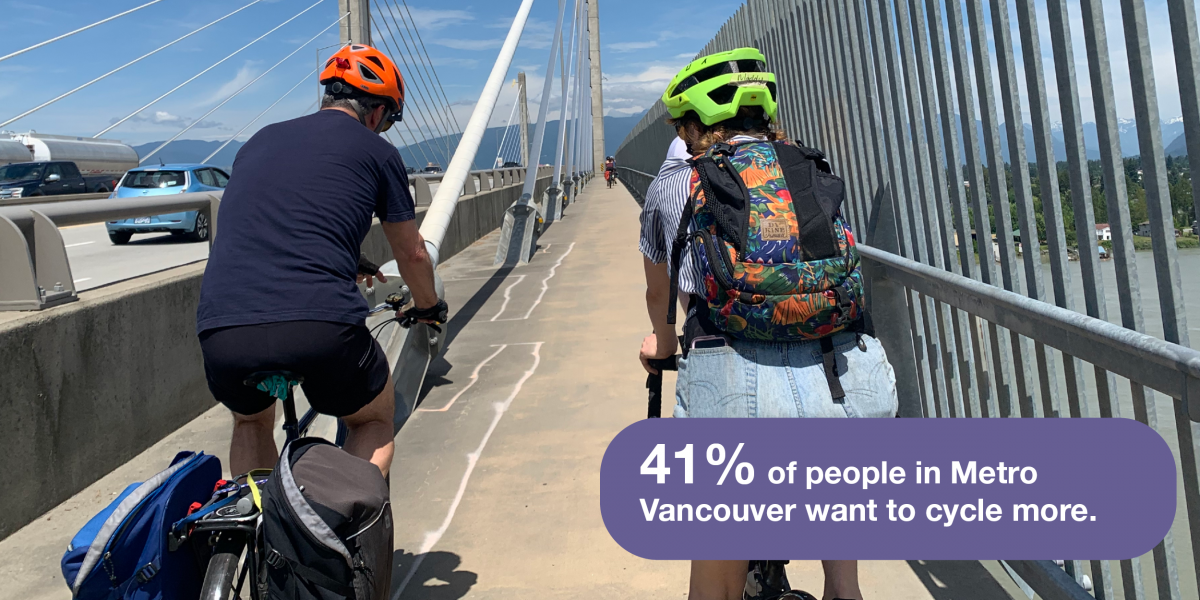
(800, 165)
(678, 246)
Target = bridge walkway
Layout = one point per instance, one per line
(495, 486)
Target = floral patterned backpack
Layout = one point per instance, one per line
(777, 258)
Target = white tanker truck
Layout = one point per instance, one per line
(36, 164)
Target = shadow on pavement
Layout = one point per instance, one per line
(437, 576)
(435, 376)
(958, 580)
(438, 369)
(160, 239)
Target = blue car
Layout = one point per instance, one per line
(167, 179)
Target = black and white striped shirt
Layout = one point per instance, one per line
(662, 211)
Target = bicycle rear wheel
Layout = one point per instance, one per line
(221, 578)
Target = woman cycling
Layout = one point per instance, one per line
(610, 170)
(776, 329)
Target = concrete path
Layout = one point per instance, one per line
(495, 486)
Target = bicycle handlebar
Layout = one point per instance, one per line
(654, 383)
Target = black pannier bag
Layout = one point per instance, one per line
(327, 526)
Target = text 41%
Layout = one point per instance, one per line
(655, 464)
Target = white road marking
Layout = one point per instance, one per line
(433, 537)
(508, 296)
(79, 244)
(474, 378)
(545, 287)
(82, 279)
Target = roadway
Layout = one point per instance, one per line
(95, 261)
(495, 486)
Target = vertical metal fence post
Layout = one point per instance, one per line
(1166, 265)
(896, 134)
(948, 155)
(1022, 193)
(922, 213)
(957, 361)
(1002, 345)
(1048, 187)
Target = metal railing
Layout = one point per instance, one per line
(902, 95)
(34, 271)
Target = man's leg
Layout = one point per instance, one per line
(717, 579)
(253, 444)
(841, 580)
(369, 434)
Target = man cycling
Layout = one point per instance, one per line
(280, 293)
(610, 170)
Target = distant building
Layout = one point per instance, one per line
(1143, 229)
(1103, 232)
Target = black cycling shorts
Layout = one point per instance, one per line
(343, 367)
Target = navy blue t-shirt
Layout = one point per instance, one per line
(296, 210)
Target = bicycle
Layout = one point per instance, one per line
(611, 178)
(230, 523)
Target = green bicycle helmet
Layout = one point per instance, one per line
(716, 86)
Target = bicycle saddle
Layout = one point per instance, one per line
(275, 383)
(258, 377)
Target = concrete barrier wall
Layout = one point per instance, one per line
(87, 386)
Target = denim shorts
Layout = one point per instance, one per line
(772, 380)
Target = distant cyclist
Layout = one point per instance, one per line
(610, 170)
(280, 293)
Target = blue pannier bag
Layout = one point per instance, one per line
(123, 552)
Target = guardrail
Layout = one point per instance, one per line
(972, 329)
(33, 259)
(49, 199)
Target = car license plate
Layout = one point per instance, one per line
(141, 221)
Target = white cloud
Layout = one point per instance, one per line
(633, 92)
(631, 46)
(244, 75)
(167, 119)
(469, 44)
(432, 19)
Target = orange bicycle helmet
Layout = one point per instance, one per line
(362, 70)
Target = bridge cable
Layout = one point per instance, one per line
(211, 67)
(128, 64)
(416, 74)
(441, 210)
(243, 88)
(71, 33)
(413, 94)
(567, 77)
(539, 136)
(419, 65)
(507, 128)
(429, 60)
(431, 67)
(265, 111)
(435, 129)
(400, 134)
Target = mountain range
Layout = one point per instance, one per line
(1172, 135)
(416, 155)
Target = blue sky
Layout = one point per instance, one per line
(644, 42)
(642, 47)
